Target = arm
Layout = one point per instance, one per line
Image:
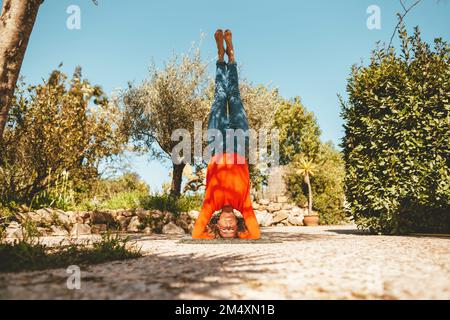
(250, 220)
(203, 219)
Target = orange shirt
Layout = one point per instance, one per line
(227, 183)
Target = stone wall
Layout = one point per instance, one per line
(278, 212)
(73, 223)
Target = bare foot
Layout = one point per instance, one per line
(219, 41)
(229, 41)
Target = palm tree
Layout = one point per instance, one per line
(307, 169)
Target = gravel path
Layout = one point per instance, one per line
(310, 263)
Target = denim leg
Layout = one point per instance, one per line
(218, 116)
(237, 115)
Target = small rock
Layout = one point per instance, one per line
(168, 216)
(58, 231)
(127, 213)
(14, 231)
(115, 214)
(193, 214)
(274, 207)
(172, 228)
(264, 218)
(287, 206)
(296, 211)
(148, 230)
(45, 215)
(28, 216)
(295, 221)
(260, 211)
(23, 208)
(74, 217)
(280, 216)
(44, 231)
(142, 213)
(79, 229)
(20, 216)
(62, 217)
(264, 202)
(13, 225)
(98, 217)
(156, 214)
(99, 228)
(134, 224)
(84, 214)
(184, 216)
(123, 222)
(183, 222)
(282, 199)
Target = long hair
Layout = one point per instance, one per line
(214, 229)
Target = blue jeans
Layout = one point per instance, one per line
(227, 114)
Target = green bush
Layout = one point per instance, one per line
(127, 182)
(396, 144)
(58, 128)
(124, 200)
(327, 184)
(166, 202)
(124, 192)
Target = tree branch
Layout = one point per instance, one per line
(401, 18)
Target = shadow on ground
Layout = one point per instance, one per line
(154, 276)
(267, 236)
(350, 232)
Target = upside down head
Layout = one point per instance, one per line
(227, 224)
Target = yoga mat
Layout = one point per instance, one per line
(189, 240)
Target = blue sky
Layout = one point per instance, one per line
(305, 48)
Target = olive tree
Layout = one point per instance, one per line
(174, 97)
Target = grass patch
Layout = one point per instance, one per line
(123, 200)
(166, 202)
(28, 254)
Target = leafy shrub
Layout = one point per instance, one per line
(59, 195)
(56, 128)
(396, 144)
(166, 202)
(124, 192)
(327, 184)
(124, 200)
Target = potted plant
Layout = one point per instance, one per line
(306, 169)
(311, 219)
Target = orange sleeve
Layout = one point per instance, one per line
(203, 218)
(250, 220)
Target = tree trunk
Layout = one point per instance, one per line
(16, 23)
(309, 194)
(177, 178)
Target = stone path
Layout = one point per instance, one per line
(310, 263)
